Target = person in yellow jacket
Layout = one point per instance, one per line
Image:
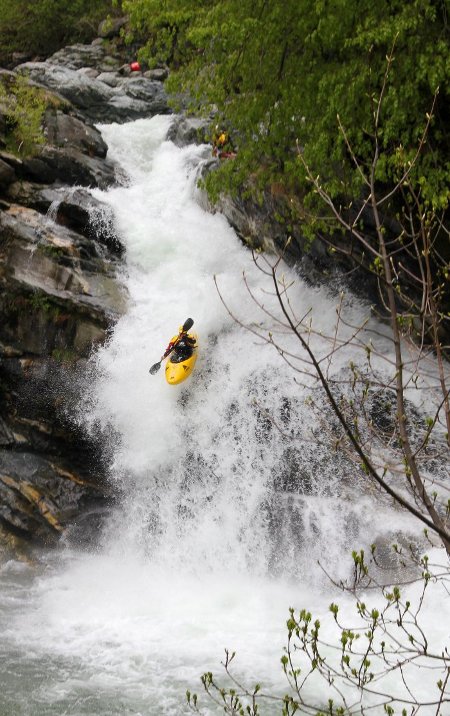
(182, 345)
(222, 145)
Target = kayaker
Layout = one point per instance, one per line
(222, 145)
(182, 345)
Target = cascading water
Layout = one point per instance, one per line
(228, 498)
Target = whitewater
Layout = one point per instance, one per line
(226, 497)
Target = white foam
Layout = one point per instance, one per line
(205, 550)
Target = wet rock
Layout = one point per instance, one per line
(84, 92)
(73, 167)
(6, 435)
(72, 207)
(112, 79)
(89, 72)
(188, 130)
(159, 74)
(58, 298)
(79, 56)
(12, 547)
(46, 390)
(37, 169)
(83, 531)
(382, 410)
(63, 130)
(36, 255)
(38, 497)
(137, 97)
(75, 153)
(142, 88)
(131, 99)
(7, 174)
(68, 166)
(250, 222)
(59, 295)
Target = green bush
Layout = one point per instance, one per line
(280, 72)
(23, 106)
(40, 27)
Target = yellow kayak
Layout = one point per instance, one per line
(178, 369)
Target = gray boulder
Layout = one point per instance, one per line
(89, 72)
(87, 94)
(158, 73)
(39, 496)
(68, 166)
(73, 207)
(188, 130)
(112, 79)
(78, 56)
(63, 130)
(132, 98)
(38, 255)
(74, 168)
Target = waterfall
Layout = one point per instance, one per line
(228, 495)
(201, 465)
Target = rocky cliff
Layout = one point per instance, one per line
(59, 290)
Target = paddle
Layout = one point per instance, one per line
(186, 326)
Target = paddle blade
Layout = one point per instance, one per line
(155, 368)
(188, 324)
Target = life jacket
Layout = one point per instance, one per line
(182, 345)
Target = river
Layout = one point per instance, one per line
(216, 535)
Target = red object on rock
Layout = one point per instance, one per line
(135, 67)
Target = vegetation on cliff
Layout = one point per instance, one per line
(281, 72)
(298, 83)
(39, 27)
(23, 107)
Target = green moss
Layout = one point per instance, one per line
(24, 107)
(39, 302)
(53, 252)
(64, 356)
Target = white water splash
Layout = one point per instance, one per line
(214, 538)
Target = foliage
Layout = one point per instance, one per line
(43, 26)
(389, 411)
(280, 71)
(24, 106)
(383, 635)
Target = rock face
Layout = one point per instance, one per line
(73, 154)
(188, 130)
(58, 297)
(59, 293)
(99, 84)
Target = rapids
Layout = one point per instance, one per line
(212, 540)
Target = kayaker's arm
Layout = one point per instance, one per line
(169, 349)
(172, 345)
